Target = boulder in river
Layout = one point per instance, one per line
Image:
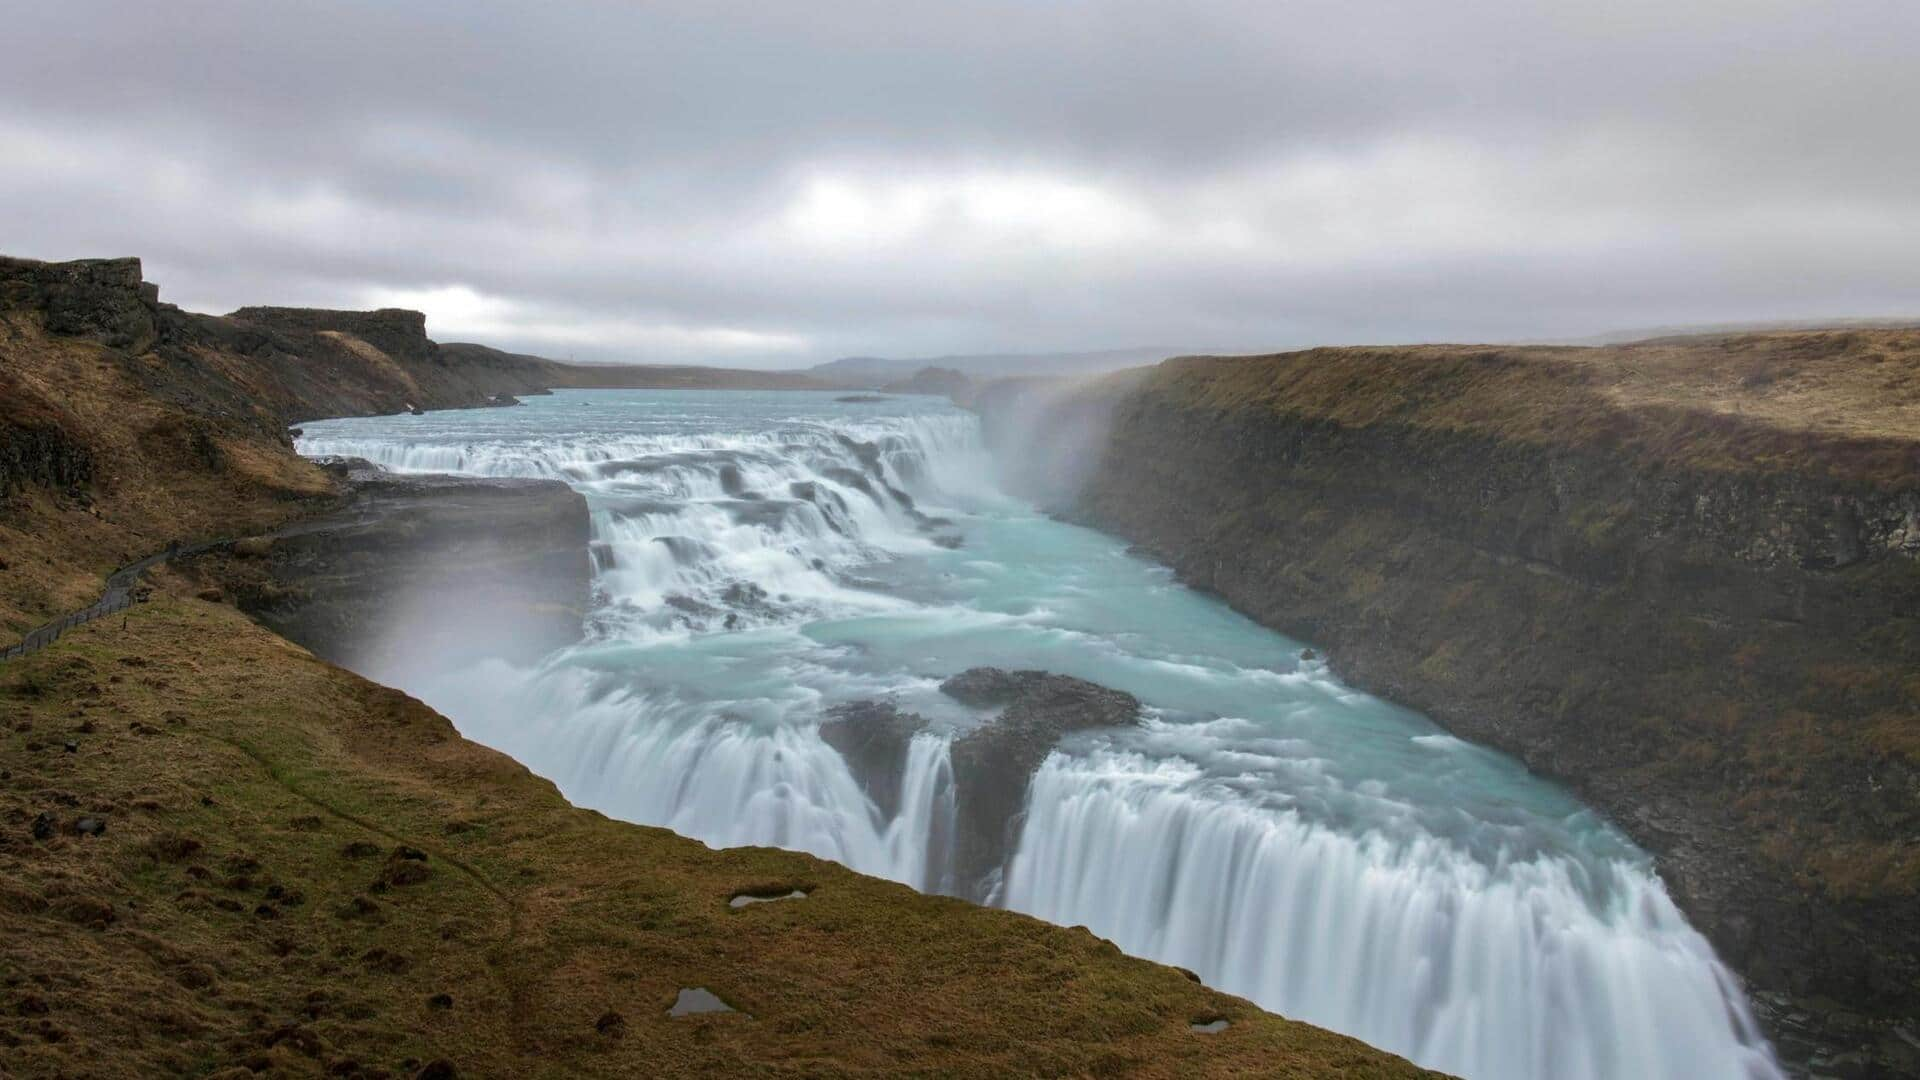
(992, 763)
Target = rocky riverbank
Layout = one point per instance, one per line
(420, 572)
(1683, 578)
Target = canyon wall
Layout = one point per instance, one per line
(1682, 578)
(421, 573)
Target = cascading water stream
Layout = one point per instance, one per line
(1516, 970)
(761, 558)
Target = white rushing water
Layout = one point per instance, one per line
(762, 557)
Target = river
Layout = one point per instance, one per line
(760, 557)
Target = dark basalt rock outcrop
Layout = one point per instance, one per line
(424, 571)
(873, 737)
(992, 763)
(43, 454)
(102, 300)
(395, 331)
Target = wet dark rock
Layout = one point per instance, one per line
(867, 453)
(734, 484)
(849, 478)
(992, 763)
(873, 737)
(747, 600)
(681, 602)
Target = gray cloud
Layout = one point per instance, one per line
(777, 184)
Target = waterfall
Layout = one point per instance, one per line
(759, 559)
(728, 781)
(1507, 971)
(724, 530)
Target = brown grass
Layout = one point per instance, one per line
(1843, 403)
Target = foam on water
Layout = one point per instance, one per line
(762, 557)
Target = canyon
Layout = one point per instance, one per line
(1681, 577)
(1677, 577)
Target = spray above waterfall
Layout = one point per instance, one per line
(765, 562)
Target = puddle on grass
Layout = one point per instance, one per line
(698, 999)
(1210, 1027)
(745, 899)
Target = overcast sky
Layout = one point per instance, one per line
(776, 184)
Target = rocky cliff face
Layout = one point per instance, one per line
(1703, 618)
(1026, 714)
(395, 331)
(37, 449)
(422, 573)
(102, 300)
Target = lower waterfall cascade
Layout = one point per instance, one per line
(760, 558)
